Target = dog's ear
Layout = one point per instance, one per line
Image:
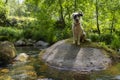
(80, 14)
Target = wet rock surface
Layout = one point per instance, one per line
(66, 56)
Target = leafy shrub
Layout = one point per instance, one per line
(19, 22)
(37, 35)
(115, 42)
(47, 32)
(67, 32)
(107, 38)
(27, 32)
(3, 38)
(38, 31)
(3, 13)
(8, 33)
(94, 37)
(117, 32)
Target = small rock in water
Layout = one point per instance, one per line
(23, 57)
(41, 44)
(117, 77)
(20, 43)
(45, 79)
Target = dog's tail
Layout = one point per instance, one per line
(87, 40)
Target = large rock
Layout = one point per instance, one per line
(7, 52)
(66, 56)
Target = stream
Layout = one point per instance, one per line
(35, 69)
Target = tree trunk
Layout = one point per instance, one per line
(112, 24)
(97, 17)
(6, 1)
(75, 5)
(61, 14)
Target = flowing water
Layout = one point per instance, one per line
(35, 69)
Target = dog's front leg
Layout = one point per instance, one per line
(78, 40)
(74, 38)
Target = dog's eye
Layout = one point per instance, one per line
(75, 16)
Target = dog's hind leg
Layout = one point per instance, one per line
(83, 37)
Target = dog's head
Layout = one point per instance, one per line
(76, 16)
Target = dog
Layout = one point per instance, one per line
(78, 32)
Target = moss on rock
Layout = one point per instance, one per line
(7, 52)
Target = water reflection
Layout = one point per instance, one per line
(44, 71)
(28, 49)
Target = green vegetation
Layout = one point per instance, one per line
(11, 34)
(50, 20)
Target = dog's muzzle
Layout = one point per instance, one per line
(77, 20)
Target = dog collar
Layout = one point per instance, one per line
(76, 23)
